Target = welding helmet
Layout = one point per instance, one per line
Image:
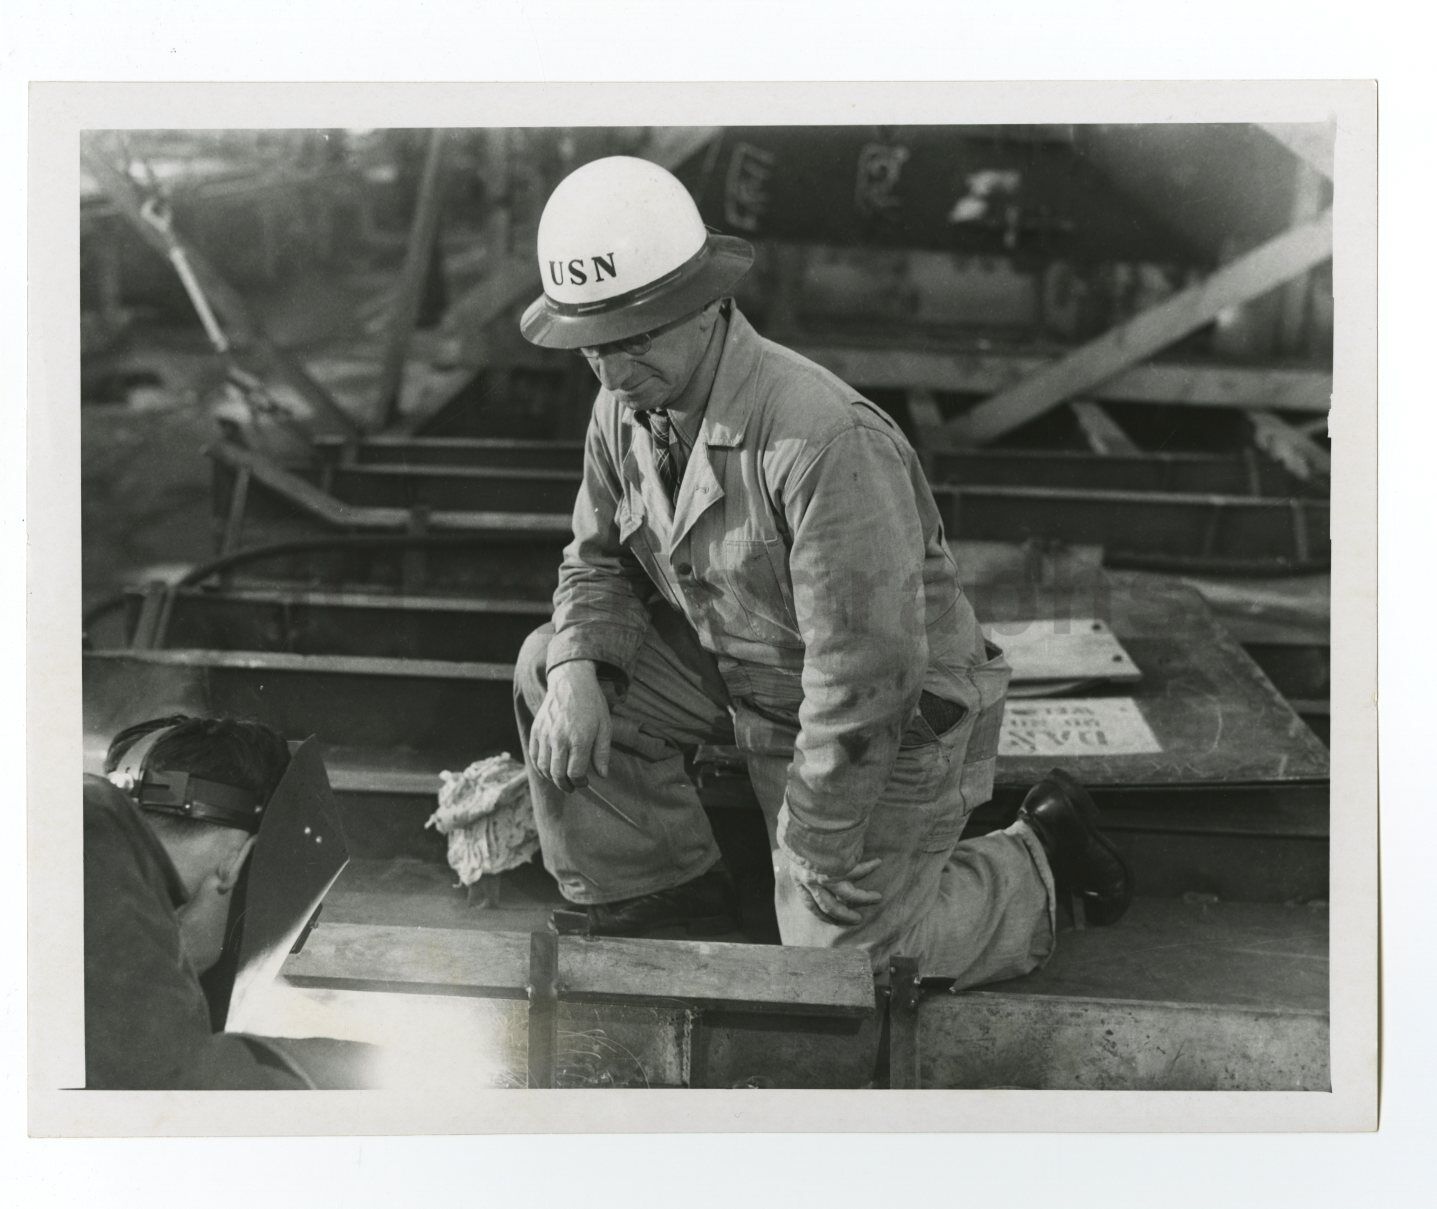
(299, 852)
(622, 250)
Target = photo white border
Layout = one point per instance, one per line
(60, 111)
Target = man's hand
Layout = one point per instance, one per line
(834, 897)
(571, 731)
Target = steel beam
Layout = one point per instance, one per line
(1246, 473)
(304, 622)
(1151, 530)
(452, 713)
(497, 453)
(483, 488)
(307, 499)
(457, 488)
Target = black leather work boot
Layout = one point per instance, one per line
(1084, 861)
(705, 906)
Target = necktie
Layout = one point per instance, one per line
(666, 450)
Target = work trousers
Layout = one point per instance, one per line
(974, 910)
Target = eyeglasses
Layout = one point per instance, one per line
(634, 346)
(631, 346)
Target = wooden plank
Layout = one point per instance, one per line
(719, 976)
(1101, 430)
(417, 259)
(1201, 384)
(1294, 449)
(1082, 648)
(1309, 141)
(1146, 333)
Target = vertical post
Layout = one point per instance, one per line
(414, 560)
(903, 997)
(543, 1007)
(234, 518)
(151, 609)
(422, 235)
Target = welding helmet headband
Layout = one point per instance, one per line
(182, 794)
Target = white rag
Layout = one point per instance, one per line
(486, 813)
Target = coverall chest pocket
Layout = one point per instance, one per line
(634, 537)
(756, 572)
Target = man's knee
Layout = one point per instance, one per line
(531, 666)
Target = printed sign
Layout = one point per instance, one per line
(879, 167)
(1076, 726)
(746, 186)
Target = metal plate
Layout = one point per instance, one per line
(1216, 718)
(1077, 649)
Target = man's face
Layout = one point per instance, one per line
(657, 375)
(210, 868)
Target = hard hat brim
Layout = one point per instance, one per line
(718, 267)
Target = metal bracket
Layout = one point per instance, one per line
(230, 539)
(414, 562)
(543, 991)
(152, 609)
(904, 993)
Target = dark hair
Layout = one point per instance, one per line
(232, 751)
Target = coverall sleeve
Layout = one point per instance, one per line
(856, 563)
(146, 1018)
(599, 605)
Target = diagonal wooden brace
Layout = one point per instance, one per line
(1250, 275)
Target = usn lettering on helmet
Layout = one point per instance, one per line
(575, 272)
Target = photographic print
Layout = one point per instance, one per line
(739, 607)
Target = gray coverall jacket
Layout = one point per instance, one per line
(807, 553)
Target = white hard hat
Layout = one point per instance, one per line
(622, 250)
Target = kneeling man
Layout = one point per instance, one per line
(758, 560)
